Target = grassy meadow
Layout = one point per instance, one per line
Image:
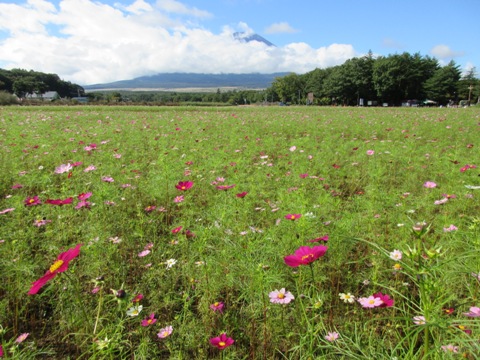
(182, 233)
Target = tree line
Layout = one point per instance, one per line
(28, 82)
(391, 79)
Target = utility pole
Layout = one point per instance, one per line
(470, 88)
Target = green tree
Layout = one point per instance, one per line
(442, 86)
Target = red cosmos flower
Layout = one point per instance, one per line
(323, 238)
(225, 187)
(293, 216)
(184, 185)
(31, 201)
(386, 300)
(305, 255)
(60, 265)
(221, 342)
(177, 230)
(448, 311)
(59, 202)
(242, 194)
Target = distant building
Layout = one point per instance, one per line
(48, 96)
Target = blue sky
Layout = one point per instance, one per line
(100, 41)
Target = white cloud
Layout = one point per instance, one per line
(279, 28)
(98, 43)
(444, 52)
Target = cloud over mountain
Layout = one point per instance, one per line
(91, 42)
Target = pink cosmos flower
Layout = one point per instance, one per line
(293, 216)
(165, 332)
(150, 208)
(178, 199)
(370, 302)
(217, 306)
(143, 253)
(303, 176)
(184, 185)
(107, 179)
(241, 195)
(17, 186)
(396, 255)
(150, 320)
(293, 148)
(32, 201)
(429, 184)
(42, 222)
(22, 338)
(84, 196)
(450, 348)
(474, 312)
(419, 320)
(441, 201)
(60, 265)
(280, 296)
(322, 238)
(332, 336)
(63, 168)
(6, 211)
(370, 152)
(221, 342)
(83, 203)
(450, 228)
(305, 255)
(89, 168)
(386, 300)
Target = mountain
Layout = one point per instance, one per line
(243, 37)
(191, 80)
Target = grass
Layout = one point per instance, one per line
(295, 160)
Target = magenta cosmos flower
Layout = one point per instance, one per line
(305, 255)
(280, 296)
(221, 342)
(184, 185)
(217, 306)
(59, 202)
(430, 184)
(60, 265)
(293, 216)
(31, 201)
(150, 320)
(387, 301)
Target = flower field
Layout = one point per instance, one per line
(239, 233)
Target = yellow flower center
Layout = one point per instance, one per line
(461, 327)
(307, 257)
(281, 296)
(216, 304)
(183, 188)
(31, 201)
(149, 321)
(371, 301)
(222, 343)
(56, 265)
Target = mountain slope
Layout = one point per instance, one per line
(191, 80)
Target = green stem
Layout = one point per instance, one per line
(81, 305)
